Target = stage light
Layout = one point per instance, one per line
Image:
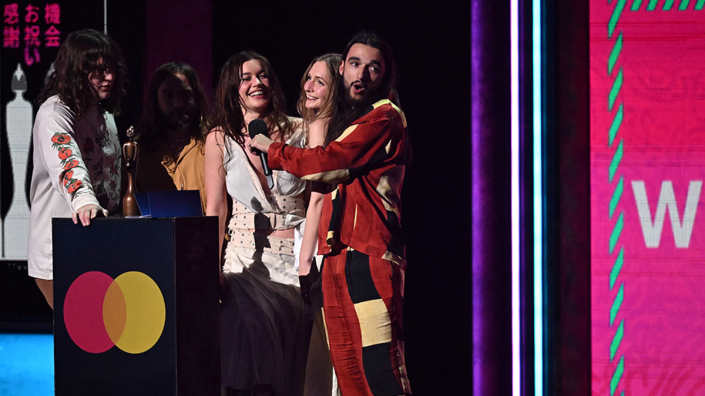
(515, 204)
(537, 193)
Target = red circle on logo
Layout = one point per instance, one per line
(83, 312)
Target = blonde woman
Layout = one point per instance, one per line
(316, 105)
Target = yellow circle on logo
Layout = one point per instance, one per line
(143, 312)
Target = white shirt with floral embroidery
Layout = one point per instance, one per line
(76, 163)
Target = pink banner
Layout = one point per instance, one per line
(648, 208)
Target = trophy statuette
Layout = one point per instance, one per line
(130, 152)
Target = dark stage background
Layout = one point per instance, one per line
(432, 48)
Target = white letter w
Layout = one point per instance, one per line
(667, 199)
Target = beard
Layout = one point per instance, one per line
(364, 99)
(180, 119)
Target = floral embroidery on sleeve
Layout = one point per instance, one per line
(72, 186)
(60, 141)
(65, 152)
(67, 176)
(72, 163)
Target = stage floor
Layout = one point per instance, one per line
(26, 364)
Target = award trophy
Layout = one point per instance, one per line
(130, 151)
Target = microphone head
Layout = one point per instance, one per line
(257, 127)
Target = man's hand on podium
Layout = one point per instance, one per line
(88, 212)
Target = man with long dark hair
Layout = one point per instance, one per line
(76, 148)
(360, 232)
(172, 132)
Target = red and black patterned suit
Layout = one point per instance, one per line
(360, 234)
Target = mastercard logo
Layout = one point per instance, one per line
(127, 312)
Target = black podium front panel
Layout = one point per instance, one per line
(136, 307)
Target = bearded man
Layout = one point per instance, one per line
(364, 159)
(171, 132)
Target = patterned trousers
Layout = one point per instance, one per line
(362, 304)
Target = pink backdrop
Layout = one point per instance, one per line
(662, 132)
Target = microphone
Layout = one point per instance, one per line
(259, 127)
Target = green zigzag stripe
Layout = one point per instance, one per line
(617, 376)
(652, 4)
(619, 188)
(615, 17)
(616, 232)
(616, 268)
(616, 87)
(617, 195)
(616, 159)
(617, 340)
(614, 54)
(617, 304)
(616, 123)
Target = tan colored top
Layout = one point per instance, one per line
(187, 173)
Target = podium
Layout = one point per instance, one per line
(136, 307)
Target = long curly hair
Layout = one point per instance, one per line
(150, 127)
(332, 62)
(227, 107)
(83, 52)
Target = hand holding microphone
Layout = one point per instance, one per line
(259, 127)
